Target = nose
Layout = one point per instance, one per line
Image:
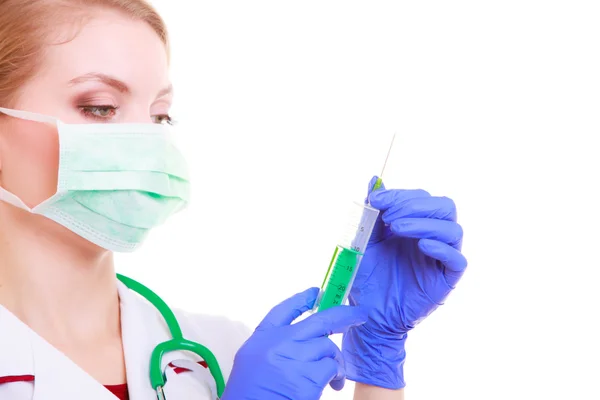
(138, 115)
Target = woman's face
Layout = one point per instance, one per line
(114, 70)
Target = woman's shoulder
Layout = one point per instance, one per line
(222, 335)
(217, 327)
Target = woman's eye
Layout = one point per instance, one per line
(162, 119)
(99, 112)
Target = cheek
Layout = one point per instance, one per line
(29, 161)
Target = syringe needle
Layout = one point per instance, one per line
(388, 155)
(379, 181)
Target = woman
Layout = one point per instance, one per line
(87, 169)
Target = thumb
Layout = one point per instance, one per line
(337, 319)
(379, 230)
(287, 311)
(374, 184)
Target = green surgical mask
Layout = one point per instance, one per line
(115, 181)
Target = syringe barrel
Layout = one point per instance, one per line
(347, 256)
(361, 221)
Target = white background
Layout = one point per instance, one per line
(286, 110)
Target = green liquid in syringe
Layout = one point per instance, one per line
(339, 277)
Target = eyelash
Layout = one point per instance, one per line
(166, 118)
(88, 112)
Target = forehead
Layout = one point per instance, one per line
(113, 44)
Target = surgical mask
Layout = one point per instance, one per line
(115, 181)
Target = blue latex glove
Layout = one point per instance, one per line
(411, 264)
(283, 361)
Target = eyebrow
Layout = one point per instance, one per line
(113, 82)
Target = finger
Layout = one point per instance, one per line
(426, 228)
(371, 186)
(327, 371)
(372, 183)
(314, 349)
(423, 207)
(454, 261)
(337, 319)
(287, 311)
(384, 199)
(338, 382)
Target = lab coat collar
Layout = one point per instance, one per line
(16, 352)
(143, 328)
(140, 336)
(55, 375)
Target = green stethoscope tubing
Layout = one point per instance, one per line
(178, 342)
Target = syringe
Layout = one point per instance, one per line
(349, 251)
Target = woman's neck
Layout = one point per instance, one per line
(63, 289)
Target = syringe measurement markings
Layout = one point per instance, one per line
(341, 275)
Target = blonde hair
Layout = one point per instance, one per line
(25, 26)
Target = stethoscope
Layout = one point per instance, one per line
(177, 343)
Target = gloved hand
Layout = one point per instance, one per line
(411, 264)
(283, 361)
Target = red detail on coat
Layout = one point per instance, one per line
(16, 378)
(179, 370)
(120, 391)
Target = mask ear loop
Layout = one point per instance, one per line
(29, 116)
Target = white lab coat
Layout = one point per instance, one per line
(23, 352)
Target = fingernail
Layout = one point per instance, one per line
(400, 224)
